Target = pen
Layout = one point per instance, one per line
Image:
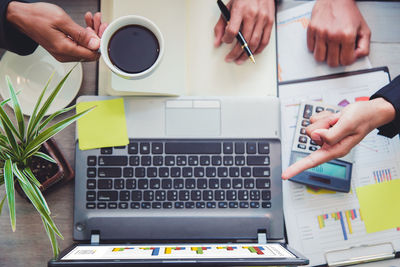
(227, 16)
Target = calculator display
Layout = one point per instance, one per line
(328, 168)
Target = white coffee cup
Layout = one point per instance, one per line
(120, 23)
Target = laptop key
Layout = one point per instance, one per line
(175, 172)
(172, 195)
(240, 160)
(219, 195)
(233, 205)
(245, 171)
(237, 183)
(90, 196)
(200, 205)
(257, 160)
(231, 195)
(91, 160)
(160, 195)
(251, 148)
(101, 205)
(148, 195)
(181, 160)
(91, 184)
(157, 148)
(91, 172)
(222, 205)
(140, 172)
(254, 205)
(266, 205)
(201, 183)
(266, 195)
(255, 195)
(234, 172)
(222, 172)
(263, 148)
(135, 205)
(145, 148)
(216, 160)
(261, 172)
(190, 183)
(113, 160)
(134, 160)
(184, 195)
(112, 205)
(124, 195)
(127, 172)
(207, 195)
(213, 183)
(155, 183)
(178, 184)
(145, 160)
(249, 183)
(137, 195)
(189, 205)
(228, 147)
(211, 172)
(204, 160)
(179, 205)
(239, 148)
(119, 184)
(193, 160)
(133, 148)
(151, 172)
(123, 205)
(198, 172)
(187, 172)
(244, 205)
(263, 183)
(167, 205)
(166, 183)
(163, 172)
(226, 183)
(243, 195)
(158, 160)
(143, 184)
(107, 195)
(228, 160)
(146, 205)
(106, 150)
(187, 147)
(110, 172)
(195, 195)
(90, 205)
(130, 184)
(211, 205)
(156, 205)
(170, 161)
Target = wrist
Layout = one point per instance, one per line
(384, 112)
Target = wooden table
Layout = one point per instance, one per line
(29, 245)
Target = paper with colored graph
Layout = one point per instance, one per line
(104, 126)
(374, 199)
(316, 220)
(294, 59)
(177, 251)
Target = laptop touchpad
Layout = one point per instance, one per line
(193, 118)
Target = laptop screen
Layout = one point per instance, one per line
(177, 251)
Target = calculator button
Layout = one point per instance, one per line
(301, 146)
(330, 110)
(319, 109)
(305, 123)
(303, 139)
(303, 131)
(313, 148)
(307, 111)
(312, 142)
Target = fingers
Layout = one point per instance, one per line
(71, 51)
(314, 159)
(85, 38)
(233, 26)
(311, 38)
(234, 54)
(96, 22)
(219, 31)
(89, 19)
(320, 48)
(364, 38)
(334, 134)
(240, 56)
(102, 28)
(265, 38)
(333, 54)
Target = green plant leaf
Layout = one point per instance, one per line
(42, 199)
(35, 200)
(31, 177)
(19, 175)
(52, 116)
(36, 108)
(44, 156)
(49, 100)
(5, 121)
(17, 109)
(9, 184)
(51, 131)
(2, 203)
(52, 237)
(10, 138)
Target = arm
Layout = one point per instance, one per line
(337, 33)
(255, 21)
(11, 38)
(338, 133)
(49, 26)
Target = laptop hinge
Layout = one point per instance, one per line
(95, 238)
(262, 237)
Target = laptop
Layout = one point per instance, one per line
(198, 184)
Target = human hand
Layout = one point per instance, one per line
(338, 133)
(52, 28)
(255, 21)
(337, 32)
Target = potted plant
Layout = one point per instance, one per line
(20, 145)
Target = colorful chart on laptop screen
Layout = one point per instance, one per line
(177, 251)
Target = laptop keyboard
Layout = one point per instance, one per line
(180, 174)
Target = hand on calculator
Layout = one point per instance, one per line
(338, 133)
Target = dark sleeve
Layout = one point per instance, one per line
(10, 37)
(391, 93)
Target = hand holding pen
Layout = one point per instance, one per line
(254, 19)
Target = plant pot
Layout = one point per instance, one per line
(49, 174)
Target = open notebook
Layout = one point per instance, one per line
(191, 65)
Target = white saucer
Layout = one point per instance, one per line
(29, 75)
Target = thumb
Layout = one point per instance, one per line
(330, 136)
(84, 37)
(364, 38)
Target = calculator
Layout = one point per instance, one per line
(333, 175)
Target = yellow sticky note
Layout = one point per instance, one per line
(104, 126)
(379, 204)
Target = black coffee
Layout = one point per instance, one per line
(133, 49)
